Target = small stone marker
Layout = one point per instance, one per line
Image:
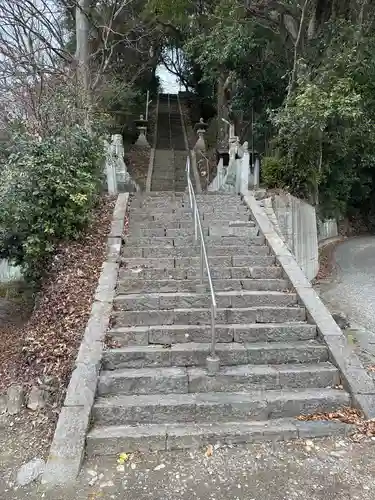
(30, 472)
(36, 399)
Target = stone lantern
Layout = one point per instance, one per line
(200, 128)
(142, 127)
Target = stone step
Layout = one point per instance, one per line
(195, 354)
(179, 334)
(185, 211)
(255, 272)
(168, 223)
(263, 377)
(169, 233)
(114, 439)
(184, 300)
(215, 407)
(186, 262)
(260, 314)
(238, 378)
(136, 216)
(192, 251)
(163, 241)
(151, 286)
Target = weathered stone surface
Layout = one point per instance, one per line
(306, 402)
(90, 353)
(3, 404)
(151, 408)
(202, 434)
(30, 471)
(233, 379)
(117, 227)
(137, 302)
(146, 318)
(15, 398)
(135, 263)
(144, 381)
(98, 322)
(121, 206)
(305, 375)
(66, 452)
(105, 290)
(115, 439)
(288, 352)
(137, 335)
(82, 386)
(366, 403)
(341, 319)
(312, 429)
(136, 357)
(36, 399)
(253, 260)
(274, 332)
(113, 249)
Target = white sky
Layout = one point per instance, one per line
(169, 82)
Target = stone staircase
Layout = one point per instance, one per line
(170, 154)
(154, 392)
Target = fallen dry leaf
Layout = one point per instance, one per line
(346, 415)
(209, 451)
(47, 343)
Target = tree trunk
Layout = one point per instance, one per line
(82, 56)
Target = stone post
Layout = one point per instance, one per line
(110, 168)
(243, 178)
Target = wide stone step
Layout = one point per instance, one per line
(185, 212)
(192, 251)
(179, 334)
(139, 217)
(183, 300)
(168, 223)
(181, 262)
(249, 272)
(191, 316)
(229, 379)
(114, 439)
(215, 407)
(195, 354)
(163, 241)
(265, 377)
(150, 286)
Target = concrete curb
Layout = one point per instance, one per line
(67, 448)
(152, 152)
(354, 376)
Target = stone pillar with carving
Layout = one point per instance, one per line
(243, 182)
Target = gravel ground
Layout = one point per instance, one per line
(324, 469)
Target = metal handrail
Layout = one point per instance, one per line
(213, 361)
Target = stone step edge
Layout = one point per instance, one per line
(224, 371)
(112, 440)
(221, 293)
(236, 326)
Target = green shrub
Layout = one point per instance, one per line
(47, 191)
(273, 172)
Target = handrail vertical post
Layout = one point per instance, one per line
(202, 262)
(195, 221)
(213, 361)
